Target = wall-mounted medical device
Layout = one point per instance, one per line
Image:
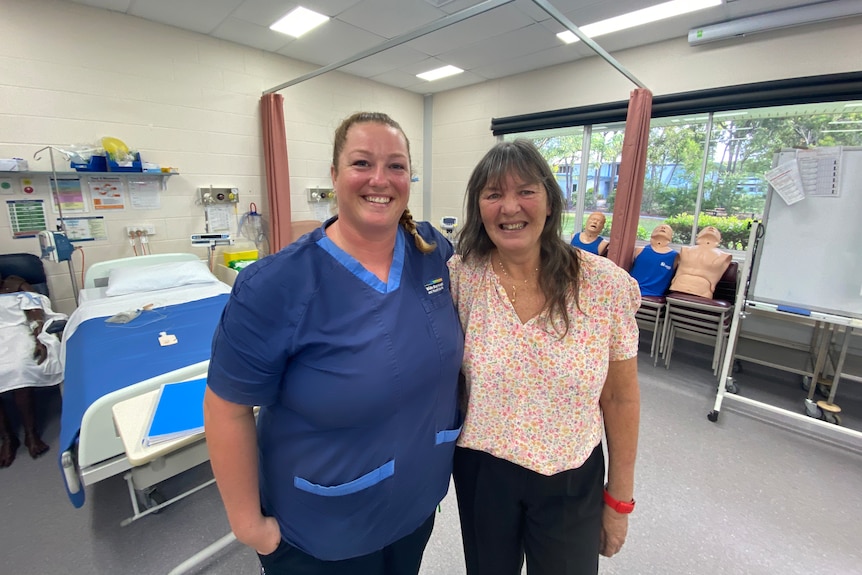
(214, 239)
(320, 194)
(55, 246)
(449, 223)
(211, 195)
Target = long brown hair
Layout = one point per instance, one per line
(339, 140)
(559, 272)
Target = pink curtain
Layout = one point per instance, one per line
(277, 172)
(630, 189)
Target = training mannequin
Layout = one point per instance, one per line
(589, 240)
(701, 265)
(655, 263)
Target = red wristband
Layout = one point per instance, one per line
(624, 507)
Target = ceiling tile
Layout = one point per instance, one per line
(535, 61)
(197, 15)
(263, 12)
(243, 32)
(390, 18)
(472, 30)
(450, 83)
(115, 5)
(533, 38)
(317, 47)
(384, 62)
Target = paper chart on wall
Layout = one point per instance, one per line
(107, 193)
(786, 182)
(218, 218)
(819, 170)
(84, 229)
(27, 217)
(69, 195)
(144, 199)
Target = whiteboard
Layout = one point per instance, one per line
(810, 256)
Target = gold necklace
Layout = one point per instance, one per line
(514, 295)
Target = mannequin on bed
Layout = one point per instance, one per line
(589, 240)
(22, 317)
(701, 265)
(655, 263)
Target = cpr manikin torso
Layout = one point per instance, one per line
(701, 265)
(589, 240)
(655, 263)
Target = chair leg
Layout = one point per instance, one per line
(655, 328)
(664, 331)
(668, 347)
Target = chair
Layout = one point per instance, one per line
(26, 266)
(701, 319)
(650, 316)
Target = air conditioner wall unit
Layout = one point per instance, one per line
(798, 16)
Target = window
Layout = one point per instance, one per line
(722, 187)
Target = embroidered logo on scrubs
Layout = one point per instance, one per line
(434, 286)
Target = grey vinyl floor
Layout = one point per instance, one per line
(739, 496)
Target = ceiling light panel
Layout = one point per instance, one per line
(299, 21)
(443, 72)
(640, 17)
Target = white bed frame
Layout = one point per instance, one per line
(100, 452)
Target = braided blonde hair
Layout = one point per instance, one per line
(408, 224)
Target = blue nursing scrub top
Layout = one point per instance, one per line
(357, 383)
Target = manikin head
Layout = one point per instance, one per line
(708, 236)
(661, 236)
(595, 223)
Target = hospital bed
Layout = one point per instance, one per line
(108, 363)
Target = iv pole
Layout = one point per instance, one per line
(61, 226)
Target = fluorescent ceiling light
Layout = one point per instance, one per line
(299, 21)
(443, 72)
(655, 13)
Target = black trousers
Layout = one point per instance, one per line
(509, 512)
(400, 558)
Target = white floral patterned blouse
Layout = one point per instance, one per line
(533, 398)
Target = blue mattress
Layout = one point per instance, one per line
(103, 357)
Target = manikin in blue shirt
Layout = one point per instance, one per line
(349, 341)
(655, 264)
(590, 239)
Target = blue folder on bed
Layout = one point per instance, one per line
(103, 357)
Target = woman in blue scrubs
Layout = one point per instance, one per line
(349, 341)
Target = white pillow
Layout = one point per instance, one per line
(123, 281)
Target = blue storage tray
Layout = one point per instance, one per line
(135, 167)
(95, 164)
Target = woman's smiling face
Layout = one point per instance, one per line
(372, 178)
(514, 213)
